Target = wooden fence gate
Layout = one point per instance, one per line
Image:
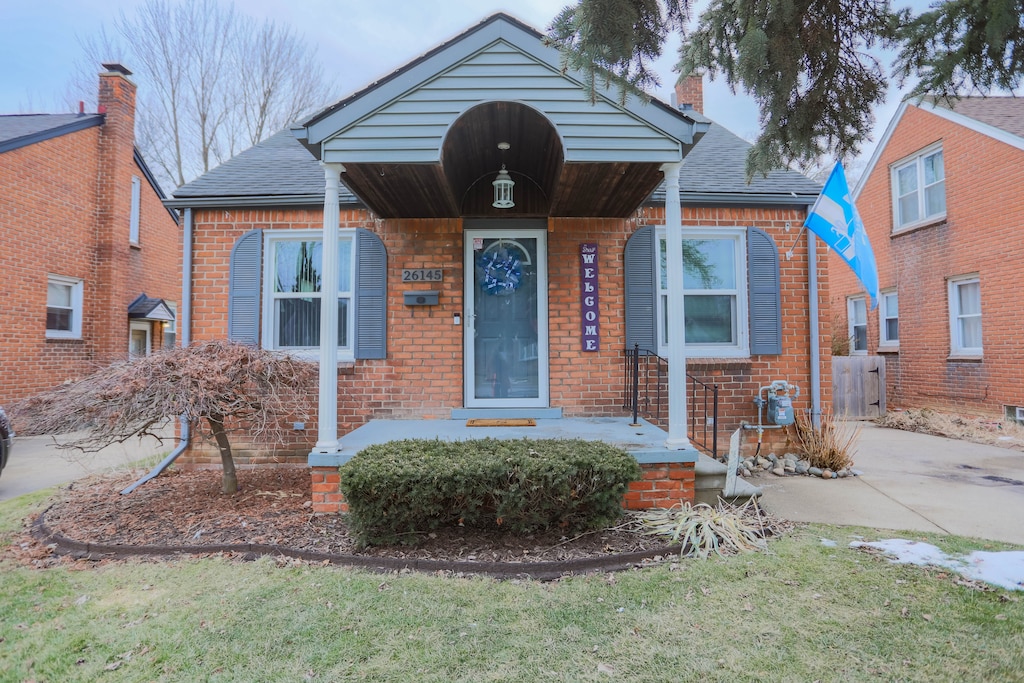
(858, 386)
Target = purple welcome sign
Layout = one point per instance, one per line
(591, 315)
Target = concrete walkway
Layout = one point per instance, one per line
(37, 463)
(912, 482)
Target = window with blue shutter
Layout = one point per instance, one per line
(244, 300)
(765, 294)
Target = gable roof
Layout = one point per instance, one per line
(1000, 118)
(497, 27)
(21, 130)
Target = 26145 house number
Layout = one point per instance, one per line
(422, 274)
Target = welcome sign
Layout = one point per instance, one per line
(591, 317)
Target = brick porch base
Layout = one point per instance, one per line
(663, 485)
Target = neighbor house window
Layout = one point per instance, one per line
(857, 315)
(919, 189)
(63, 307)
(714, 292)
(965, 316)
(133, 222)
(171, 326)
(292, 293)
(889, 320)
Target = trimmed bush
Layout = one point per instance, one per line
(402, 488)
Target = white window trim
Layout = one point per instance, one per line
(267, 335)
(915, 159)
(171, 326)
(741, 349)
(850, 324)
(77, 288)
(883, 341)
(955, 349)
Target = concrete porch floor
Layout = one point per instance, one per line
(645, 442)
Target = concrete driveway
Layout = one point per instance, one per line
(36, 462)
(912, 482)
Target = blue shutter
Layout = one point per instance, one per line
(370, 296)
(244, 302)
(641, 290)
(765, 294)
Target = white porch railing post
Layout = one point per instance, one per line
(677, 439)
(327, 423)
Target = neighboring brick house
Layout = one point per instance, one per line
(942, 199)
(86, 236)
(450, 307)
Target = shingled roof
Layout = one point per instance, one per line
(20, 130)
(1006, 112)
(280, 171)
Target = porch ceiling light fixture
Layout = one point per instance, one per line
(503, 185)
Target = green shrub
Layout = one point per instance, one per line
(402, 488)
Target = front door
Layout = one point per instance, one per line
(506, 318)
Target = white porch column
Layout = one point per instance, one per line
(677, 439)
(327, 423)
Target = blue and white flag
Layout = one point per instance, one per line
(835, 220)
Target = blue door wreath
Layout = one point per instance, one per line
(501, 274)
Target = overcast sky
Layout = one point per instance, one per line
(358, 42)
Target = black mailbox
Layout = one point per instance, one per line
(423, 298)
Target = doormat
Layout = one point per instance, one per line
(501, 422)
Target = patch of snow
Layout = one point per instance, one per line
(828, 543)
(1004, 569)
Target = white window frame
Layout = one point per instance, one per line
(133, 221)
(77, 288)
(956, 317)
(269, 333)
(852, 323)
(171, 326)
(885, 314)
(917, 162)
(741, 347)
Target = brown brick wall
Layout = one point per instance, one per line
(980, 234)
(65, 211)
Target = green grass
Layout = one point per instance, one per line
(800, 612)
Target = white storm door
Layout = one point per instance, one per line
(506, 321)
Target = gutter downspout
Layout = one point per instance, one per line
(184, 334)
(812, 285)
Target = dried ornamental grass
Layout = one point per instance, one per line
(702, 529)
(828, 447)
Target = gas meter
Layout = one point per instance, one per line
(780, 401)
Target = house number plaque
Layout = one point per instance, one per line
(422, 274)
(591, 322)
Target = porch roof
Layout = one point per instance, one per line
(645, 442)
(424, 142)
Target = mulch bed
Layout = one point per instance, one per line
(184, 511)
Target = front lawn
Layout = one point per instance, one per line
(803, 611)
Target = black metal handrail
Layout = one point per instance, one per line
(646, 394)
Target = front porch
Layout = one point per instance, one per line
(669, 475)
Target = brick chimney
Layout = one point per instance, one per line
(115, 169)
(690, 93)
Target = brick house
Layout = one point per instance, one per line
(941, 201)
(459, 299)
(92, 268)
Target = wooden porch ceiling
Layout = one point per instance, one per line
(470, 159)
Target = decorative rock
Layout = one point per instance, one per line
(856, 473)
(779, 471)
(764, 463)
(814, 471)
(843, 474)
(789, 466)
(827, 474)
(773, 457)
(802, 466)
(834, 475)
